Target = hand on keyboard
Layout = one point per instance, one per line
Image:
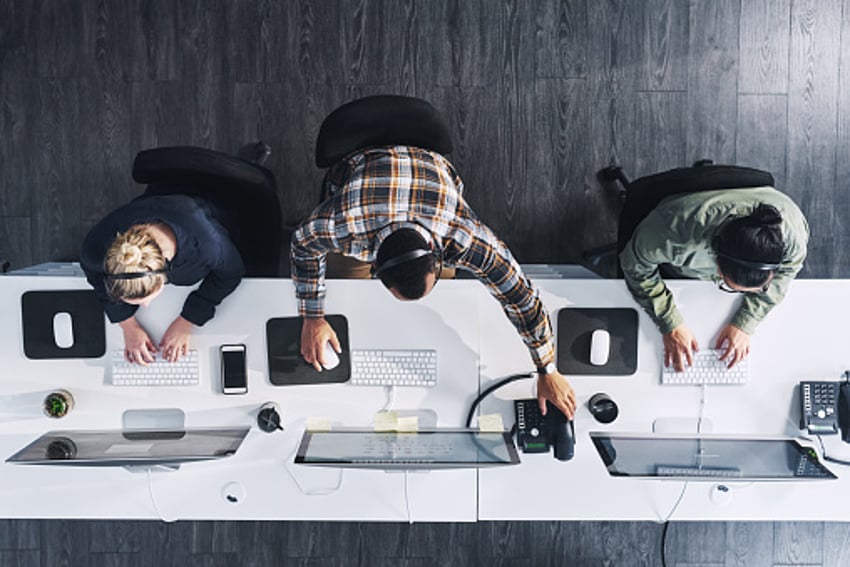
(160, 372)
(138, 346)
(175, 341)
(707, 369)
(734, 344)
(679, 347)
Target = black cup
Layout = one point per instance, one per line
(603, 408)
(268, 419)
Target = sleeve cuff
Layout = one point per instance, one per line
(311, 308)
(745, 322)
(669, 323)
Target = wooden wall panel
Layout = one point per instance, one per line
(712, 80)
(665, 46)
(764, 42)
(762, 134)
(812, 115)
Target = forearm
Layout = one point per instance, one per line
(493, 265)
(200, 305)
(755, 307)
(649, 290)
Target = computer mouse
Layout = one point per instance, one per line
(600, 347)
(330, 357)
(63, 331)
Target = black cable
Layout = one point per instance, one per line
(489, 390)
(664, 544)
(827, 457)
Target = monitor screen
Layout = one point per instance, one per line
(430, 449)
(130, 447)
(707, 457)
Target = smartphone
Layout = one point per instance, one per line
(234, 372)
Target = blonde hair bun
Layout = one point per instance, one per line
(134, 250)
(130, 254)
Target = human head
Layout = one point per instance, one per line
(411, 279)
(749, 248)
(134, 251)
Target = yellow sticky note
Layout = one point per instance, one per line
(408, 424)
(318, 424)
(491, 422)
(385, 421)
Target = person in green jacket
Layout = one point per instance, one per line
(750, 241)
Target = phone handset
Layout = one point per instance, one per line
(536, 432)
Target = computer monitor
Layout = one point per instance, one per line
(420, 450)
(708, 457)
(130, 448)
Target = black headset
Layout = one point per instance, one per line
(759, 266)
(139, 275)
(411, 255)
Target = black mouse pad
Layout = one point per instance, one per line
(286, 365)
(87, 326)
(575, 327)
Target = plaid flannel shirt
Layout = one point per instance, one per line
(374, 191)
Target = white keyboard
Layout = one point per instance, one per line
(183, 372)
(394, 367)
(707, 369)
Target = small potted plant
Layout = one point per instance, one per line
(58, 403)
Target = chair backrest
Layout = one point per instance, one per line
(244, 192)
(644, 194)
(190, 165)
(381, 120)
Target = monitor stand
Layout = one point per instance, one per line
(161, 419)
(682, 425)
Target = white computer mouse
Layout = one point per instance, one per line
(63, 331)
(330, 357)
(600, 347)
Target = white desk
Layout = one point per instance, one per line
(263, 465)
(802, 339)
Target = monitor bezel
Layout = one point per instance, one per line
(239, 434)
(796, 442)
(506, 436)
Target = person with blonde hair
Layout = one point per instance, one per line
(130, 255)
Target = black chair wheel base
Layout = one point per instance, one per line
(613, 173)
(255, 152)
(702, 162)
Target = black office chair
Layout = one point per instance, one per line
(381, 120)
(245, 192)
(641, 196)
(374, 121)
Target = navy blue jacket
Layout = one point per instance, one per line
(204, 252)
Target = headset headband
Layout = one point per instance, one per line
(760, 266)
(401, 259)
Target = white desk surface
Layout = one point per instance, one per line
(263, 465)
(802, 339)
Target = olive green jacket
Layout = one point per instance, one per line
(679, 232)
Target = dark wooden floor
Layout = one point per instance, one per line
(539, 94)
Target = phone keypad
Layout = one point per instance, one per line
(819, 400)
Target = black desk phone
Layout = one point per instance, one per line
(536, 432)
(825, 408)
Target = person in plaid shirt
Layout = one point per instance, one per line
(403, 202)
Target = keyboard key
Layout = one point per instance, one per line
(161, 372)
(707, 369)
(394, 368)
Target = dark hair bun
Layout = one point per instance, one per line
(764, 216)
